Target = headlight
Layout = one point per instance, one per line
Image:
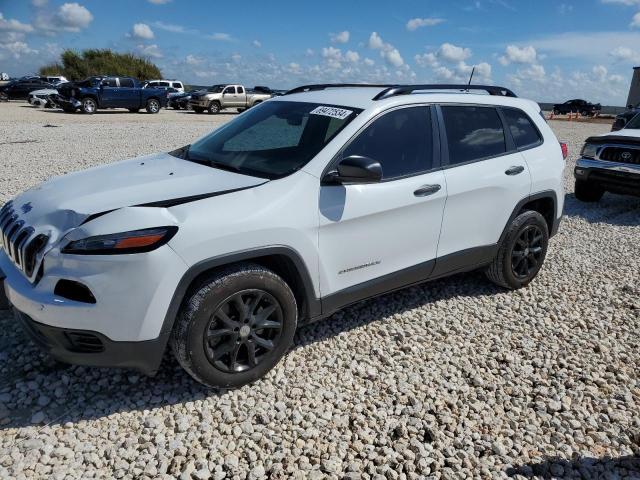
(589, 150)
(136, 241)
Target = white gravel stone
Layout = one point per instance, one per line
(451, 379)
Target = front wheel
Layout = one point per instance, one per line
(235, 326)
(153, 106)
(586, 191)
(521, 252)
(88, 105)
(4, 97)
(214, 107)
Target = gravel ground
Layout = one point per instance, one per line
(452, 379)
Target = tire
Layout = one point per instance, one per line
(88, 105)
(211, 308)
(556, 111)
(133, 110)
(214, 108)
(175, 106)
(4, 97)
(521, 253)
(152, 106)
(586, 191)
(584, 113)
(198, 109)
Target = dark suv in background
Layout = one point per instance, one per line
(21, 88)
(577, 105)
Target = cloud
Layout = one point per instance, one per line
(453, 53)
(623, 2)
(173, 28)
(17, 49)
(600, 72)
(219, 36)
(141, 31)
(351, 56)
(152, 51)
(573, 45)
(635, 22)
(333, 56)
(625, 54)
(193, 60)
(72, 17)
(39, 3)
(416, 23)
(13, 25)
(159, 2)
(369, 62)
(257, 44)
(387, 51)
(341, 37)
(515, 54)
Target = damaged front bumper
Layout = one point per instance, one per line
(66, 102)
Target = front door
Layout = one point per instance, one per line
(373, 236)
(110, 96)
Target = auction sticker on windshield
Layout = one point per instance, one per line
(333, 112)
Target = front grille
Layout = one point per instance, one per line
(18, 240)
(621, 155)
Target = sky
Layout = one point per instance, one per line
(549, 51)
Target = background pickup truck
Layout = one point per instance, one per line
(219, 97)
(624, 118)
(109, 92)
(577, 105)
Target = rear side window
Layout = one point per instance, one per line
(400, 140)
(240, 90)
(126, 82)
(524, 132)
(473, 133)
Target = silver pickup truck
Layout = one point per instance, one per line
(219, 97)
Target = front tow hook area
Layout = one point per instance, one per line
(4, 301)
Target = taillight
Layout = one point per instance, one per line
(565, 150)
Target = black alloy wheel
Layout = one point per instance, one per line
(527, 253)
(243, 329)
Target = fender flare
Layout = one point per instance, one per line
(313, 303)
(550, 194)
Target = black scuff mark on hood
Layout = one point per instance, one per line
(194, 198)
(173, 202)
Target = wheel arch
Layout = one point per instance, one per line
(284, 261)
(545, 203)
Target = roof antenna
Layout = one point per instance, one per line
(473, 70)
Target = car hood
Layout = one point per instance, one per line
(159, 180)
(625, 136)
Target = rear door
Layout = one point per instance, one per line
(486, 178)
(389, 228)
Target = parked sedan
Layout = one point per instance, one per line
(21, 88)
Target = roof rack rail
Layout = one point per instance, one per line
(324, 86)
(396, 90)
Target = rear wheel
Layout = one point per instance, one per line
(4, 97)
(556, 111)
(235, 326)
(88, 105)
(586, 191)
(153, 105)
(521, 253)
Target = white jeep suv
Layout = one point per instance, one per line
(325, 196)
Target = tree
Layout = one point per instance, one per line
(76, 66)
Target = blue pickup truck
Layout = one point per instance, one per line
(100, 92)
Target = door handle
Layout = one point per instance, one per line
(515, 170)
(426, 190)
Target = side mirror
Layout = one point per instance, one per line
(355, 169)
(618, 124)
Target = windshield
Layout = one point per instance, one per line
(216, 88)
(634, 123)
(271, 140)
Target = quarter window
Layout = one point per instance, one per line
(524, 132)
(177, 85)
(240, 90)
(400, 140)
(473, 133)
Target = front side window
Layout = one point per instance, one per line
(109, 82)
(400, 140)
(230, 90)
(473, 133)
(240, 90)
(271, 140)
(524, 132)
